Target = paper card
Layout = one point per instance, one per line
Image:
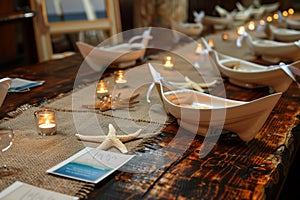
(19, 190)
(90, 165)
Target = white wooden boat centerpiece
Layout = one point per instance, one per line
(4, 87)
(283, 34)
(293, 23)
(270, 7)
(99, 58)
(190, 29)
(251, 75)
(223, 22)
(196, 111)
(272, 50)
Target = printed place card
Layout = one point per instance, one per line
(90, 165)
(20, 190)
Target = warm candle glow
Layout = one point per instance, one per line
(168, 62)
(120, 78)
(251, 26)
(262, 22)
(291, 11)
(45, 121)
(269, 19)
(199, 49)
(240, 30)
(285, 13)
(101, 89)
(225, 36)
(211, 43)
(275, 16)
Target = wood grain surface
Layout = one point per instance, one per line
(168, 166)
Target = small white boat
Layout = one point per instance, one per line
(293, 24)
(282, 34)
(4, 87)
(243, 14)
(240, 15)
(251, 75)
(270, 7)
(196, 111)
(99, 58)
(190, 29)
(272, 50)
(224, 22)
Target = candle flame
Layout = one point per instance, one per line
(168, 62)
(291, 11)
(285, 13)
(102, 87)
(211, 43)
(225, 36)
(261, 22)
(251, 26)
(199, 48)
(241, 30)
(269, 19)
(120, 78)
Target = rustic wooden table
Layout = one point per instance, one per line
(232, 170)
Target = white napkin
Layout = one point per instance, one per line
(19, 84)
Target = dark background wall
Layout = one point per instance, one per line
(16, 34)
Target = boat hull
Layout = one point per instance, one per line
(272, 49)
(243, 118)
(100, 58)
(251, 75)
(190, 29)
(4, 87)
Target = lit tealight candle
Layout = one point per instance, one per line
(240, 30)
(261, 25)
(101, 90)
(269, 19)
(261, 22)
(285, 13)
(199, 48)
(168, 62)
(45, 121)
(211, 43)
(291, 11)
(120, 79)
(275, 16)
(251, 26)
(225, 36)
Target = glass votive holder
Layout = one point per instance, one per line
(211, 43)
(241, 30)
(168, 63)
(199, 49)
(225, 36)
(120, 79)
(102, 89)
(251, 26)
(45, 122)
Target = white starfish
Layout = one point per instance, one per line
(111, 139)
(191, 84)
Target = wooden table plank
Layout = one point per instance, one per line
(232, 170)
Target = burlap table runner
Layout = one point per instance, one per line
(32, 154)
